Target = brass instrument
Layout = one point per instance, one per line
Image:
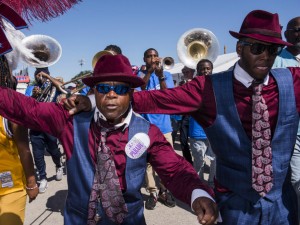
(197, 44)
(98, 55)
(42, 51)
(48, 92)
(69, 93)
(167, 63)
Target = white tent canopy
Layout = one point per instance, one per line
(222, 63)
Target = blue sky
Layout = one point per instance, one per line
(136, 25)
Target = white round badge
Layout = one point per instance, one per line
(137, 145)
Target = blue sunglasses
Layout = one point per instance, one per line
(119, 89)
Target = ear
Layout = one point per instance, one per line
(131, 93)
(238, 49)
(285, 35)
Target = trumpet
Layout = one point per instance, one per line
(167, 63)
(62, 86)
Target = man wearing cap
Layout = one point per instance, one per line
(253, 145)
(108, 149)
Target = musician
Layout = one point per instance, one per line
(156, 78)
(89, 137)
(41, 140)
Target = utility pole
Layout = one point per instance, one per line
(81, 63)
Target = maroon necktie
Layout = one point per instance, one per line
(106, 187)
(262, 171)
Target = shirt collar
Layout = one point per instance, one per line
(125, 123)
(242, 76)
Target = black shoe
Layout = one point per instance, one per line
(167, 199)
(151, 202)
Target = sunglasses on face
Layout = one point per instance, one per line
(295, 29)
(119, 89)
(258, 48)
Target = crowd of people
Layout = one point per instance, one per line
(122, 133)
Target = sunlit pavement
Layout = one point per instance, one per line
(47, 209)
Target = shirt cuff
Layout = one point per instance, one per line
(93, 101)
(201, 193)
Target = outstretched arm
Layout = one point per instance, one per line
(26, 111)
(180, 178)
(180, 100)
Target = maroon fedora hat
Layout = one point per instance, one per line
(113, 68)
(263, 26)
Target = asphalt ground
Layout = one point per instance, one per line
(48, 207)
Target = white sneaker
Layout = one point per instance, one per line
(43, 186)
(59, 173)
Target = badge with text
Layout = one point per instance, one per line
(137, 145)
(6, 179)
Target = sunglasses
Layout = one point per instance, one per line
(257, 48)
(119, 89)
(295, 29)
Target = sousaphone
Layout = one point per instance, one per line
(197, 44)
(40, 50)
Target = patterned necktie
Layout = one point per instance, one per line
(261, 143)
(106, 187)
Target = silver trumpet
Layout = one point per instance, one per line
(167, 63)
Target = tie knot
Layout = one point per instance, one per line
(257, 82)
(257, 86)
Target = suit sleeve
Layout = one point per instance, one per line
(174, 171)
(179, 100)
(27, 112)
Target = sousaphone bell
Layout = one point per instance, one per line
(40, 50)
(197, 44)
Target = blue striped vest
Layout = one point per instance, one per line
(80, 174)
(232, 146)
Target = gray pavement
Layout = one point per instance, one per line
(47, 209)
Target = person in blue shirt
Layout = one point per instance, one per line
(157, 79)
(200, 146)
(40, 140)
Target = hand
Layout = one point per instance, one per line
(206, 210)
(77, 103)
(36, 91)
(159, 72)
(43, 75)
(155, 64)
(32, 193)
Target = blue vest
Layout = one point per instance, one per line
(80, 171)
(232, 146)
